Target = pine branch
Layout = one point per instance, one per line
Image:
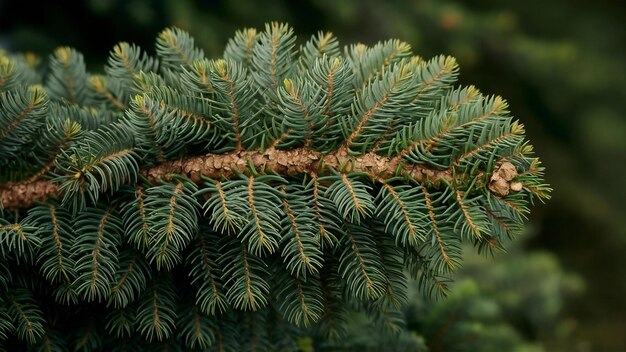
(449, 263)
(68, 76)
(26, 315)
(327, 219)
(276, 190)
(99, 86)
(297, 161)
(299, 243)
(240, 48)
(131, 278)
(206, 275)
(156, 313)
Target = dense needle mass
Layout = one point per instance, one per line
(174, 198)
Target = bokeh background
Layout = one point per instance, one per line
(559, 63)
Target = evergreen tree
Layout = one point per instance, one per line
(180, 202)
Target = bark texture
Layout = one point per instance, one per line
(283, 162)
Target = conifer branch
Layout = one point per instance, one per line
(202, 200)
(431, 214)
(292, 162)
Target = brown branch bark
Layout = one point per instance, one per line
(217, 166)
(290, 162)
(23, 194)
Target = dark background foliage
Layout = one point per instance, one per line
(560, 64)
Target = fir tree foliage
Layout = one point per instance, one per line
(242, 247)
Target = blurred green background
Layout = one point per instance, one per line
(560, 64)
